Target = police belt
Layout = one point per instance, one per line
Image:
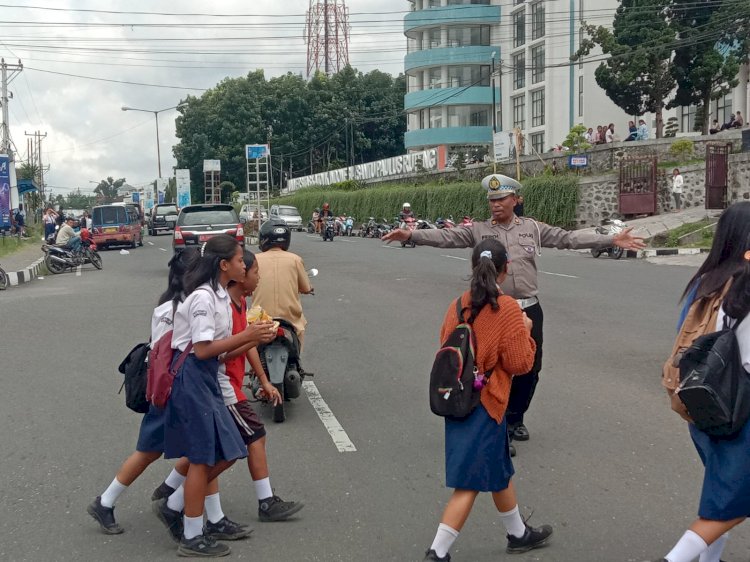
(527, 303)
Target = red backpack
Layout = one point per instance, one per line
(161, 372)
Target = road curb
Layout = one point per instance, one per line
(26, 274)
(654, 252)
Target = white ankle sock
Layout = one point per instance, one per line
(263, 488)
(513, 522)
(713, 554)
(192, 526)
(176, 502)
(175, 479)
(213, 508)
(688, 548)
(444, 539)
(110, 495)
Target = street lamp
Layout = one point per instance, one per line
(156, 117)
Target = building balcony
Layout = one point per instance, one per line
(448, 135)
(449, 15)
(451, 56)
(474, 95)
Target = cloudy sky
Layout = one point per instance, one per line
(89, 137)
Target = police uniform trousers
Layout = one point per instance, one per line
(198, 425)
(523, 386)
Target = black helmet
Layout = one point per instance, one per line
(274, 233)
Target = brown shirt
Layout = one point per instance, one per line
(523, 238)
(282, 279)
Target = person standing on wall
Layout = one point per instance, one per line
(524, 238)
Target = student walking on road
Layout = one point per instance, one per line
(477, 448)
(720, 288)
(524, 238)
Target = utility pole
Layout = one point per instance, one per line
(14, 69)
(35, 157)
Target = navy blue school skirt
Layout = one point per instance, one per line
(151, 435)
(726, 480)
(477, 454)
(198, 425)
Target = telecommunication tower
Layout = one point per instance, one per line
(327, 36)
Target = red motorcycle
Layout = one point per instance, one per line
(410, 224)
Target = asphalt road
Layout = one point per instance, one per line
(608, 465)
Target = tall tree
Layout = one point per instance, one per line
(107, 189)
(636, 76)
(713, 43)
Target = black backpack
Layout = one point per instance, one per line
(453, 393)
(714, 385)
(135, 368)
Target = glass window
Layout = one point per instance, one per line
(537, 64)
(537, 108)
(469, 116)
(687, 118)
(581, 37)
(463, 36)
(433, 4)
(435, 75)
(537, 142)
(519, 28)
(519, 112)
(480, 118)
(517, 2)
(434, 37)
(724, 109)
(537, 20)
(436, 117)
(519, 71)
(580, 96)
(470, 75)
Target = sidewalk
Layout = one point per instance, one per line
(25, 264)
(648, 227)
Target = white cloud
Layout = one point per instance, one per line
(75, 112)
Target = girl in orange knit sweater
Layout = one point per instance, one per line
(477, 455)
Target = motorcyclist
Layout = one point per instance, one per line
(282, 277)
(405, 213)
(66, 236)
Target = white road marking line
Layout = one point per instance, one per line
(78, 270)
(559, 275)
(162, 249)
(311, 236)
(390, 247)
(454, 257)
(150, 243)
(337, 433)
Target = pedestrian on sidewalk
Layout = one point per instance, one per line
(477, 449)
(677, 188)
(524, 238)
(20, 218)
(720, 288)
(50, 219)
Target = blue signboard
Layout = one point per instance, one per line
(161, 198)
(136, 197)
(578, 161)
(4, 191)
(256, 151)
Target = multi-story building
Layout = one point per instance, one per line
(453, 45)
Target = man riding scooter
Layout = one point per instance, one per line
(406, 213)
(66, 236)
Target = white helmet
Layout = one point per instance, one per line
(407, 206)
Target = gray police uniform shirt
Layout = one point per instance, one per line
(522, 238)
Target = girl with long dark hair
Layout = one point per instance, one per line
(724, 278)
(477, 454)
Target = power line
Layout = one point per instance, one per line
(116, 81)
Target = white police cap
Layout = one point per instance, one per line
(499, 186)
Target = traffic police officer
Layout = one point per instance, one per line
(523, 238)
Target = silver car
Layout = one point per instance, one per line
(249, 210)
(290, 215)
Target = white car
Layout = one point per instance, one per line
(248, 211)
(290, 215)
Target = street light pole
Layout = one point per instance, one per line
(156, 117)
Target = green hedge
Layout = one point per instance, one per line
(551, 199)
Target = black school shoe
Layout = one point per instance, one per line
(172, 519)
(202, 546)
(276, 509)
(519, 432)
(163, 491)
(105, 516)
(534, 537)
(431, 555)
(226, 530)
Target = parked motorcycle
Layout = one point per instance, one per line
(310, 227)
(281, 361)
(329, 229)
(382, 229)
(348, 226)
(410, 224)
(58, 259)
(445, 223)
(423, 224)
(614, 227)
(4, 280)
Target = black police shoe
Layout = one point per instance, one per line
(432, 556)
(512, 449)
(163, 491)
(534, 537)
(202, 546)
(226, 530)
(276, 509)
(520, 433)
(105, 516)
(172, 519)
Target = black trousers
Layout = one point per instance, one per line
(523, 386)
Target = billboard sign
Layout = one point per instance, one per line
(578, 161)
(4, 191)
(257, 151)
(212, 165)
(182, 177)
(501, 144)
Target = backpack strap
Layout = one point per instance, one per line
(460, 310)
(182, 357)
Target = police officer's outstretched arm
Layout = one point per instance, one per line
(442, 238)
(554, 237)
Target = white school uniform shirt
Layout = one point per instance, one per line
(677, 183)
(205, 315)
(161, 321)
(743, 337)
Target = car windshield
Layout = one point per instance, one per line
(108, 215)
(166, 210)
(288, 211)
(208, 216)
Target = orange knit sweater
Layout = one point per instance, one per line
(504, 345)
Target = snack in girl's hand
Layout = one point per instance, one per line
(257, 314)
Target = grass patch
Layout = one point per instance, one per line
(671, 238)
(12, 244)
